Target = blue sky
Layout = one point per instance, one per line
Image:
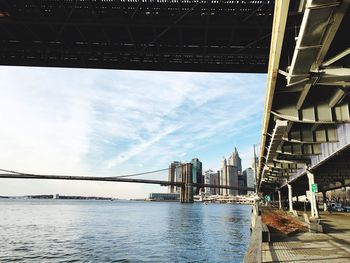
(108, 122)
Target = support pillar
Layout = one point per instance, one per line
(324, 196)
(279, 200)
(311, 179)
(186, 195)
(189, 193)
(290, 198)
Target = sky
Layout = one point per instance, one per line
(113, 122)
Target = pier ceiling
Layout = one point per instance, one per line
(307, 108)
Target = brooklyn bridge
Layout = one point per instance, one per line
(186, 184)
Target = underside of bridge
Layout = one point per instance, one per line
(306, 135)
(178, 35)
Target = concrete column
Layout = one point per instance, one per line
(186, 195)
(324, 196)
(311, 179)
(290, 198)
(279, 200)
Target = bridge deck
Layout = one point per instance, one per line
(218, 36)
(115, 179)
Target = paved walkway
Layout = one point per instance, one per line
(331, 246)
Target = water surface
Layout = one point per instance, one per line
(122, 231)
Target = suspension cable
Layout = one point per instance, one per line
(120, 176)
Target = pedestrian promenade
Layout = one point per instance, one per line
(331, 246)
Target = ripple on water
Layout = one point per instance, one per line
(90, 231)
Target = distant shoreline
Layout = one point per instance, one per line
(60, 197)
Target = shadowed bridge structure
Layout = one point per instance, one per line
(305, 146)
(176, 35)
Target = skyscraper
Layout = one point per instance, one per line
(249, 172)
(229, 172)
(229, 177)
(216, 182)
(174, 175)
(235, 160)
(242, 182)
(207, 175)
(224, 180)
(211, 177)
(232, 172)
(196, 174)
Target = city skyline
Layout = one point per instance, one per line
(107, 123)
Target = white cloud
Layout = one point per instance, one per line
(96, 122)
(139, 148)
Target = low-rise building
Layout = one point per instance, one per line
(164, 196)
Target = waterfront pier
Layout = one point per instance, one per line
(305, 145)
(333, 245)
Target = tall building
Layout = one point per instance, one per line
(229, 177)
(207, 175)
(216, 182)
(196, 174)
(249, 172)
(224, 180)
(235, 160)
(211, 177)
(174, 175)
(255, 163)
(232, 172)
(242, 182)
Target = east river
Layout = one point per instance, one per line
(122, 231)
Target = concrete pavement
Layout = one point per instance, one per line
(331, 246)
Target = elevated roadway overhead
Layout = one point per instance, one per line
(306, 135)
(177, 35)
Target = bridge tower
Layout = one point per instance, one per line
(186, 195)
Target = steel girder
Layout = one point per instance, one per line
(218, 36)
(311, 93)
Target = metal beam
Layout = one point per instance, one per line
(319, 113)
(306, 142)
(338, 96)
(278, 29)
(277, 135)
(308, 50)
(292, 159)
(285, 165)
(303, 95)
(336, 57)
(332, 30)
